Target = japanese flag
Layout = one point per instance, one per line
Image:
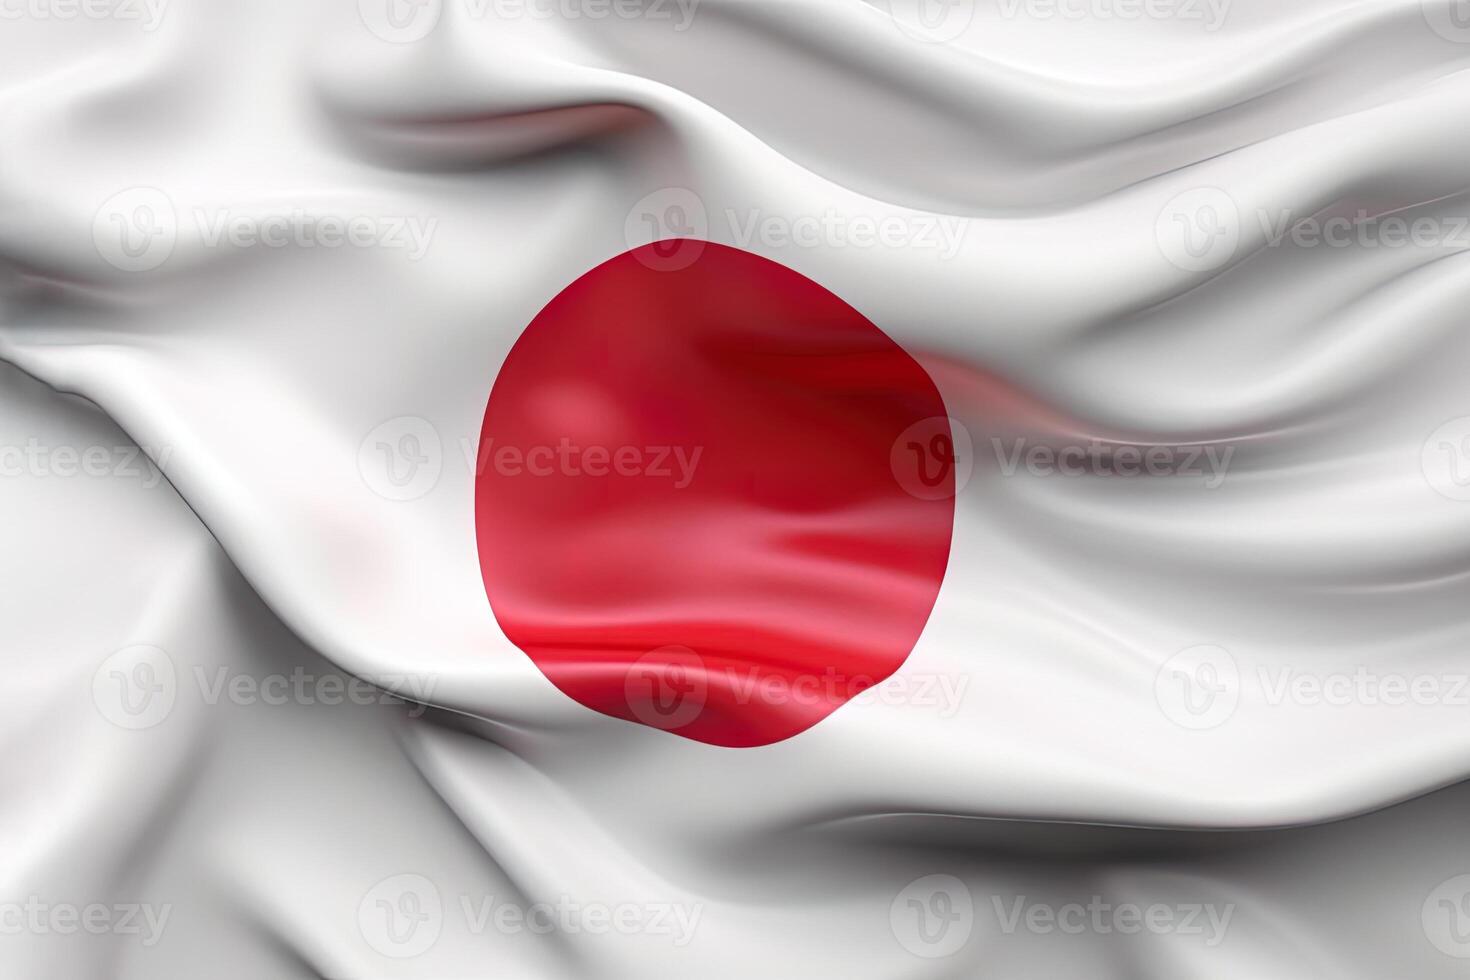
(729, 488)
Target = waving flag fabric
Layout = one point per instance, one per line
(727, 488)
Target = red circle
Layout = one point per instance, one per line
(702, 460)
